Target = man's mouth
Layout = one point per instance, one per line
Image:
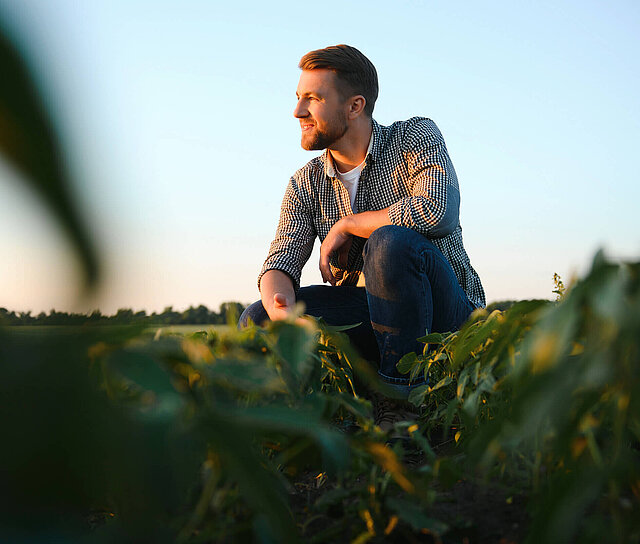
(306, 126)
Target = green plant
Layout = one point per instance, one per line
(559, 286)
(544, 395)
(262, 434)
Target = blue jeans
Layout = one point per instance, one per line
(411, 290)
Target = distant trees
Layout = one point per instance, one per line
(201, 315)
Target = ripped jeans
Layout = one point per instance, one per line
(411, 290)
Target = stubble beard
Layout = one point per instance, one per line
(321, 139)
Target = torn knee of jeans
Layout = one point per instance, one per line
(384, 329)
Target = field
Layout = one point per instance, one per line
(529, 430)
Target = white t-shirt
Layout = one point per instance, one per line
(351, 178)
(350, 181)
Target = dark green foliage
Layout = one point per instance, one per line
(545, 394)
(213, 437)
(204, 431)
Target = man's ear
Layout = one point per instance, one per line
(356, 106)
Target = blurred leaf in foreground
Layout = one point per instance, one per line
(31, 144)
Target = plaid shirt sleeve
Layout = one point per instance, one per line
(432, 209)
(295, 235)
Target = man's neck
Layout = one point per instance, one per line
(351, 149)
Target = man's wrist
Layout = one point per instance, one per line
(348, 224)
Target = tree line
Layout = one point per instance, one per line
(200, 315)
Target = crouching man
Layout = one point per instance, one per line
(384, 202)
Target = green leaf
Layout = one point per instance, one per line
(442, 356)
(470, 405)
(471, 337)
(422, 441)
(258, 485)
(406, 363)
(442, 383)
(414, 515)
(293, 347)
(417, 395)
(251, 375)
(341, 328)
(356, 405)
(433, 338)
(325, 348)
(142, 369)
(462, 382)
(304, 420)
(450, 412)
(29, 140)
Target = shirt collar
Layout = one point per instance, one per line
(373, 151)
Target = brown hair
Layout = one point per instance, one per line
(355, 72)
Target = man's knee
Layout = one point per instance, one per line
(387, 247)
(254, 313)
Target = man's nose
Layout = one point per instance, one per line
(300, 110)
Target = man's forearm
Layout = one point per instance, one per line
(363, 224)
(338, 240)
(277, 294)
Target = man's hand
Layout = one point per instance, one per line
(281, 308)
(337, 240)
(341, 235)
(278, 296)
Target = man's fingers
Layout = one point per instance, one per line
(343, 254)
(325, 268)
(327, 275)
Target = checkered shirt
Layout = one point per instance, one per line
(408, 170)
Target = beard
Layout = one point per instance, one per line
(321, 138)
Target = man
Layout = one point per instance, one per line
(384, 202)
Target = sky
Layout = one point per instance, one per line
(177, 124)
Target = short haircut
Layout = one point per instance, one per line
(355, 72)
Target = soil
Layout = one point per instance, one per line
(480, 512)
(477, 512)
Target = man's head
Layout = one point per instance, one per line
(338, 85)
(356, 75)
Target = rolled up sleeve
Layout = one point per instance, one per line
(295, 235)
(434, 203)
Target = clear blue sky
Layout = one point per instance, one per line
(178, 122)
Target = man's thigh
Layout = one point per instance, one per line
(340, 305)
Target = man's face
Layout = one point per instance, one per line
(321, 109)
